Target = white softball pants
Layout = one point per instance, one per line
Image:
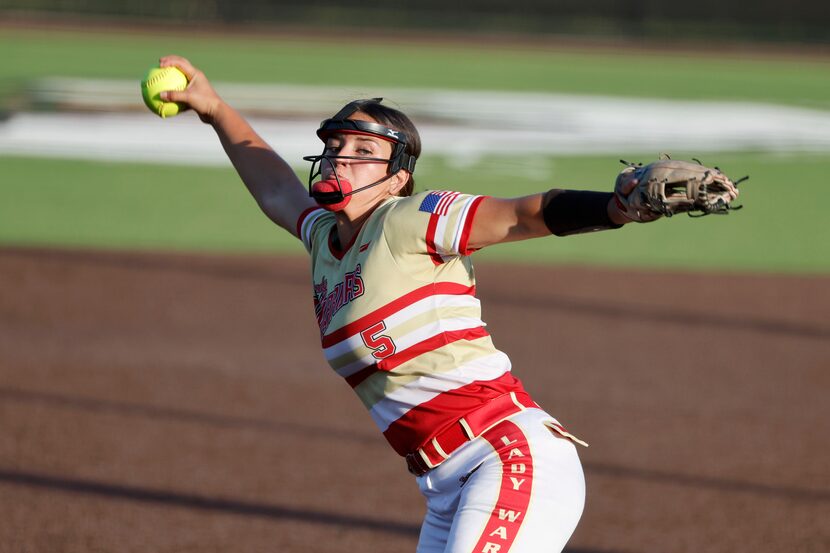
(517, 488)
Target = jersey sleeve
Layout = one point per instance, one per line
(310, 225)
(436, 223)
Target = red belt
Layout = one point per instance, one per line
(436, 450)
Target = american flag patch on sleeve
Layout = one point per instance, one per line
(438, 203)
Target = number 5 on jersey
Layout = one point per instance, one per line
(381, 345)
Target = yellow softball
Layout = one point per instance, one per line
(158, 80)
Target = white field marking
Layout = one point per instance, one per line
(471, 126)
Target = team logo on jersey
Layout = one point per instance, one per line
(327, 304)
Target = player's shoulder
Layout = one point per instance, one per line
(313, 216)
(314, 223)
(426, 201)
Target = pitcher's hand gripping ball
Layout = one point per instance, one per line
(158, 80)
(667, 187)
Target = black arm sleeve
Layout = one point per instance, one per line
(577, 211)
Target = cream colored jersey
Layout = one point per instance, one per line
(398, 315)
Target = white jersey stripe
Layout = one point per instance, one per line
(308, 224)
(398, 316)
(449, 228)
(437, 303)
(456, 236)
(397, 403)
(415, 337)
(440, 234)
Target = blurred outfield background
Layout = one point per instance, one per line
(511, 100)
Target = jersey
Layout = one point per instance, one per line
(399, 318)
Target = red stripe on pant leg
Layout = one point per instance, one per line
(516, 483)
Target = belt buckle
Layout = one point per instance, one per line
(415, 465)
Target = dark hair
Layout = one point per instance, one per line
(396, 120)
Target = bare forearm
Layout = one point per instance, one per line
(257, 164)
(500, 220)
(267, 176)
(561, 212)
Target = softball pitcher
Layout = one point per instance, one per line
(395, 299)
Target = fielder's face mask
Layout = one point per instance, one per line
(335, 193)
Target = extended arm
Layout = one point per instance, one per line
(269, 179)
(557, 211)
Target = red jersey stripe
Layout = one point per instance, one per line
(436, 288)
(468, 225)
(424, 346)
(354, 380)
(301, 219)
(431, 344)
(430, 238)
(406, 434)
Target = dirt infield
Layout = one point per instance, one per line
(171, 403)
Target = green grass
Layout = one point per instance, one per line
(788, 80)
(778, 230)
(137, 206)
(113, 205)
